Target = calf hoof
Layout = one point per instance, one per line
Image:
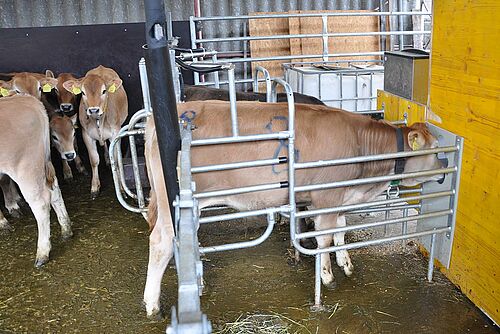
(41, 261)
(94, 194)
(331, 285)
(155, 314)
(15, 213)
(66, 235)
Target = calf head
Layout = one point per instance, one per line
(62, 134)
(418, 138)
(95, 92)
(67, 100)
(32, 83)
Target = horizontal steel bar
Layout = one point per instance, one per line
(269, 16)
(375, 157)
(333, 55)
(386, 208)
(351, 207)
(369, 112)
(236, 165)
(368, 242)
(313, 234)
(374, 179)
(244, 244)
(333, 34)
(241, 190)
(239, 215)
(240, 139)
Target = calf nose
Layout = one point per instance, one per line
(93, 110)
(66, 107)
(443, 162)
(70, 156)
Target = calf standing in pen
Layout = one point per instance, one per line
(321, 133)
(25, 158)
(103, 109)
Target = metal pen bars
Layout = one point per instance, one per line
(324, 35)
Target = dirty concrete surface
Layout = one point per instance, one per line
(94, 282)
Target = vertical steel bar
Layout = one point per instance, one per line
(404, 226)
(192, 30)
(317, 282)
(144, 85)
(232, 101)
(216, 73)
(430, 268)
(324, 20)
(383, 25)
(401, 25)
(137, 175)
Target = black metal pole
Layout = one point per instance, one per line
(162, 93)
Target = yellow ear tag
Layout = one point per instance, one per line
(46, 88)
(414, 145)
(76, 90)
(112, 88)
(4, 92)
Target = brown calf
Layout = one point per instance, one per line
(25, 158)
(321, 133)
(103, 109)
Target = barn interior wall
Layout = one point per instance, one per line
(465, 93)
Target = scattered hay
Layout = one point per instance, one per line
(260, 323)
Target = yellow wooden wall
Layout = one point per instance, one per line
(465, 93)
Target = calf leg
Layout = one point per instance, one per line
(94, 163)
(36, 193)
(10, 195)
(160, 253)
(78, 161)
(343, 259)
(68, 175)
(57, 202)
(106, 154)
(324, 222)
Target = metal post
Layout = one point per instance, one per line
(400, 25)
(317, 283)
(430, 268)
(162, 94)
(232, 101)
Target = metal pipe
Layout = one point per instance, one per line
(399, 207)
(344, 208)
(400, 26)
(374, 179)
(232, 101)
(239, 215)
(137, 175)
(163, 100)
(375, 157)
(236, 165)
(313, 234)
(366, 243)
(244, 244)
(267, 79)
(241, 190)
(240, 139)
(300, 36)
(324, 36)
(317, 282)
(430, 268)
(270, 16)
(144, 85)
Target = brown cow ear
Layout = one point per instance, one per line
(114, 84)
(48, 84)
(49, 74)
(73, 86)
(416, 140)
(5, 88)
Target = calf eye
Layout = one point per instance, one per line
(103, 92)
(83, 93)
(54, 137)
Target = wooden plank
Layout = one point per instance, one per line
(268, 48)
(339, 24)
(465, 93)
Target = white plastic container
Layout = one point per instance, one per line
(353, 88)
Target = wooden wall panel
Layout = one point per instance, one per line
(465, 93)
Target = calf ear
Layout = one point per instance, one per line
(49, 74)
(114, 84)
(73, 86)
(48, 84)
(416, 139)
(5, 88)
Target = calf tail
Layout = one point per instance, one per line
(50, 173)
(152, 210)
